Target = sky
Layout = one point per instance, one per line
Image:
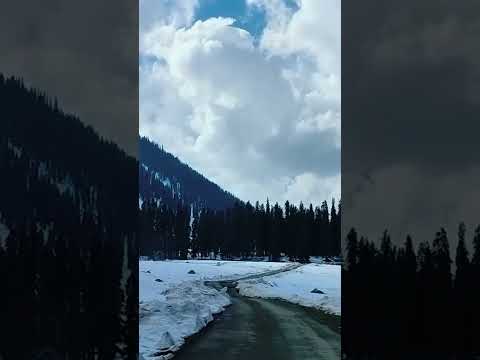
(410, 94)
(247, 92)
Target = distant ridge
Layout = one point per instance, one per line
(165, 179)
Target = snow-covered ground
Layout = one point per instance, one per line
(296, 286)
(175, 304)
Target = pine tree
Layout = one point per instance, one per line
(442, 288)
(250, 230)
(268, 228)
(386, 250)
(426, 296)
(338, 231)
(303, 235)
(406, 288)
(473, 285)
(333, 233)
(476, 248)
(312, 236)
(462, 294)
(441, 257)
(461, 260)
(324, 228)
(194, 237)
(352, 249)
(410, 258)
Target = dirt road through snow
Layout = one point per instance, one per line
(260, 329)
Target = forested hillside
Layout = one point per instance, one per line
(163, 177)
(68, 249)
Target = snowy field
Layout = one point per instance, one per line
(175, 304)
(296, 286)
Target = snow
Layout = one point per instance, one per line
(296, 285)
(179, 313)
(45, 229)
(16, 149)
(175, 272)
(175, 304)
(4, 232)
(126, 274)
(65, 185)
(166, 182)
(181, 305)
(42, 169)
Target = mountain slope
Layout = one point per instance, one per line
(165, 178)
(67, 224)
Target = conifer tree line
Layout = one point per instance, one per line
(68, 245)
(243, 231)
(402, 302)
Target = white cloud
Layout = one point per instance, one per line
(261, 121)
(309, 186)
(311, 36)
(175, 12)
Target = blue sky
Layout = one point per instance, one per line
(250, 19)
(253, 104)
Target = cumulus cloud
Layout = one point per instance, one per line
(259, 120)
(175, 12)
(309, 185)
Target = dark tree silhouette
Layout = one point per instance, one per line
(398, 304)
(242, 231)
(69, 204)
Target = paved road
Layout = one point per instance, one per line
(260, 329)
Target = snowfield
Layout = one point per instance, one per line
(296, 285)
(175, 304)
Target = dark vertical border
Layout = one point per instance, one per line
(69, 180)
(410, 106)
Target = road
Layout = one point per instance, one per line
(261, 329)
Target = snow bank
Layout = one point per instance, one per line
(175, 304)
(181, 312)
(296, 286)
